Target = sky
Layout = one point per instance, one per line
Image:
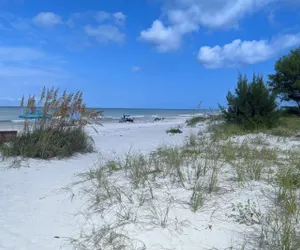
(141, 53)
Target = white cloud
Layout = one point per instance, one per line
(164, 38)
(245, 52)
(136, 69)
(186, 16)
(47, 19)
(105, 33)
(100, 16)
(27, 54)
(120, 18)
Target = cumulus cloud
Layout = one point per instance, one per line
(136, 69)
(164, 38)
(186, 16)
(105, 33)
(240, 52)
(47, 19)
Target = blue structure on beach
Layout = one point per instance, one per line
(38, 114)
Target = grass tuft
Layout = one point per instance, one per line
(49, 143)
(195, 120)
(174, 131)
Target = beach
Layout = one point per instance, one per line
(34, 205)
(42, 208)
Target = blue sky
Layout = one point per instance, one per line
(141, 53)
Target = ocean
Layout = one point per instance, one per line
(9, 116)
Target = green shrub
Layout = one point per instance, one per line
(252, 106)
(174, 131)
(195, 120)
(57, 130)
(48, 143)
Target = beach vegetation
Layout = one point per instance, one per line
(151, 191)
(287, 125)
(285, 82)
(192, 122)
(56, 130)
(48, 143)
(174, 131)
(252, 105)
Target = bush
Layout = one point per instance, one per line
(195, 120)
(174, 131)
(49, 143)
(288, 125)
(252, 105)
(57, 128)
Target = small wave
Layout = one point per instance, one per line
(137, 116)
(5, 120)
(17, 121)
(185, 115)
(109, 118)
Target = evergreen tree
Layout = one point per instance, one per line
(252, 104)
(286, 80)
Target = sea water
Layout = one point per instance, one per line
(9, 116)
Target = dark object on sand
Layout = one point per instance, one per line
(126, 118)
(157, 119)
(174, 131)
(7, 135)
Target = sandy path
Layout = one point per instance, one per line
(33, 208)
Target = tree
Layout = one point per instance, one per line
(286, 80)
(252, 105)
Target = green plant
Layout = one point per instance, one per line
(137, 168)
(248, 163)
(57, 129)
(279, 232)
(198, 197)
(223, 131)
(289, 182)
(48, 143)
(174, 131)
(213, 179)
(286, 80)
(192, 140)
(247, 214)
(192, 122)
(252, 105)
(289, 179)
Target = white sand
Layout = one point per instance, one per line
(34, 209)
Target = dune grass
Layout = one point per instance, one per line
(143, 191)
(48, 143)
(287, 125)
(54, 132)
(195, 120)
